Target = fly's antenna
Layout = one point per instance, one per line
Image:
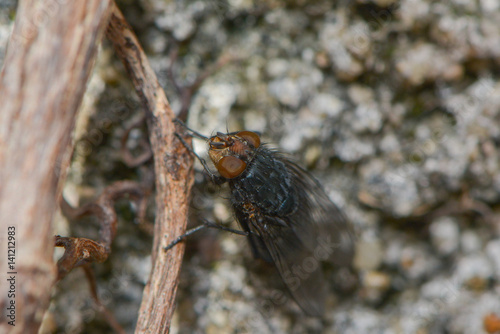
(193, 132)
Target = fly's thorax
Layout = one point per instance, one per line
(232, 152)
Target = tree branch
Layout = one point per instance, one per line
(174, 178)
(48, 62)
(83, 251)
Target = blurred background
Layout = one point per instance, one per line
(393, 105)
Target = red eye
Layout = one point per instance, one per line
(251, 137)
(231, 167)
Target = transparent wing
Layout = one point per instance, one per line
(315, 231)
(317, 221)
(299, 268)
(259, 248)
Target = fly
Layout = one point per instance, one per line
(284, 212)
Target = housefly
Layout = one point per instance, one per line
(286, 215)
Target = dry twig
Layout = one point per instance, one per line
(127, 157)
(82, 251)
(174, 178)
(110, 318)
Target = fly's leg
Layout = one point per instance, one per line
(193, 132)
(206, 224)
(217, 179)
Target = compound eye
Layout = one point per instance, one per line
(231, 167)
(251, 137)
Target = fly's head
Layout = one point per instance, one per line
(231, 152)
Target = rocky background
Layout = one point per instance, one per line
(393, 105)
